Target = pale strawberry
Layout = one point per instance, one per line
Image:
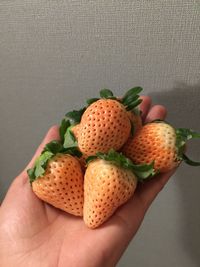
(110, 180)
(57, 179)
(158, 141)
(106, 123)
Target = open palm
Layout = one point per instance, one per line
(33, 233)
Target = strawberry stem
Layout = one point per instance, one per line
(189, 161)
(182, 136)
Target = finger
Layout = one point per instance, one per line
(145, 106)
(156, 112)
(52, 134)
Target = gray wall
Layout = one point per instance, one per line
(55, 54)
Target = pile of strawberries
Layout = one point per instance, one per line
(104, 151)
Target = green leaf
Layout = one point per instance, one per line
(131, 98)
(54, 147)
(186, 134)
(39, 170)
(63, 127)
(91, 100)
(142, 172)
(40, 165)
(75, 115)
(134, 104)
(183, 135)
(74, 151)
(90, 158)
(51, 149)
(132, 92)
(69, 139)
(106, 93)
(31, 174)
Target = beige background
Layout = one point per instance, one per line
(54, 54)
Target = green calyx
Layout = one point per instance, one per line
(143, 171)
(40, 166)
(182, 136)
(66, 145)
(130, 100)
(107, 93)
(104, 93)
(49, 151)
(65, 124)
(69, 139)
(75, 116)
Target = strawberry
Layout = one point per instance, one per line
(57, 177)
(158, 141)
(62, 184)
(106, 123)
(110, 180)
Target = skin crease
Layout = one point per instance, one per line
(33, 233)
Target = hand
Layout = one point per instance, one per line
(33, 233)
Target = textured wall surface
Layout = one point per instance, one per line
(54, 54)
